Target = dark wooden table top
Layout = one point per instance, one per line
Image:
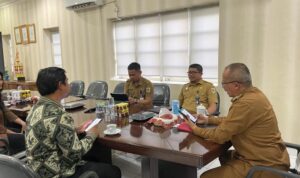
(153, 141)
(148, 140)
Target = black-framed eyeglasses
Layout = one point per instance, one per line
(224, 83)
(192, 72)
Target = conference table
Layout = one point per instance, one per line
(165, 152)
(179, 152)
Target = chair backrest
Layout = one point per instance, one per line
(217, 112)
(119, 88)
(274, 171)
(161, 95)
(97, 89)
(12, 167)
(293, 173)
(77, 88)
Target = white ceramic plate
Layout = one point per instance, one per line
(117, 131)
(6, 104)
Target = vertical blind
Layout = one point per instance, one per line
(166, 44)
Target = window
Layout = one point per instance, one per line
(56, 49)
(166, 44)
(8, 54)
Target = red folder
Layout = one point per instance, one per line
(184, 127)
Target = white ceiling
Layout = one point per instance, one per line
(5, 2)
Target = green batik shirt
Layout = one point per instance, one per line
(52, 146)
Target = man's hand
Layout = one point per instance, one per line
(35, 99)
(202, 119)
(132, 100)
(95, 130)
(191, 124)
(23, 129)
(82, 128)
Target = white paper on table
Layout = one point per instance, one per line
(95, 122)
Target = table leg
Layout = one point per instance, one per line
(153, 168)
(149, 168)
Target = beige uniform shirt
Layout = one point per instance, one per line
(139, 90)
(251, 126)
(188, 94)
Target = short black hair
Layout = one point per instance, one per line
(48, 80)
(197, 66)
(134, 66)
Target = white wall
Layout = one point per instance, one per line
(264, 34)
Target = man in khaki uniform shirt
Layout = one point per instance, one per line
(138, 89)
(198, 89)
(250, 125)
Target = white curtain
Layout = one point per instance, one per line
(264, 35)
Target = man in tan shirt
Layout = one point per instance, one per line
(250, 125)
(138, 89)
(198, 90)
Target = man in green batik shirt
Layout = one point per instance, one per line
(53, 148)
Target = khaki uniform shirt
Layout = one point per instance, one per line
(139, 90)
(251, 126)
(188, 94)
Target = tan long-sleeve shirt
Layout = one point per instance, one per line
(251, 126)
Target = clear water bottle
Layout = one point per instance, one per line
(201, 109)
(175, 107)
(99, 110)
(111, 106)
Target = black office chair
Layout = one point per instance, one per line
(77, 88)
(97, 89)
(217, 112)
(119, 88)
(13, 167)
(4, 147)
(291, 174)
(23, 159)
(161, 95)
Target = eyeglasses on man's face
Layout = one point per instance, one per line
(192, 72)
(224, 83)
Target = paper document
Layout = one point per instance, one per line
(95, 122)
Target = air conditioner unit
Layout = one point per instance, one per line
(82, 4)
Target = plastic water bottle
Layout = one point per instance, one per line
(99, 110)
(201, 109)
(175, 107)
(111, 106)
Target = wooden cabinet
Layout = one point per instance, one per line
(26, 85)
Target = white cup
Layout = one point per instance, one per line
(6, 103)
(111, 128)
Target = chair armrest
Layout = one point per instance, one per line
(273, 170)
(21, 156)
(89, 174)
(292, 145)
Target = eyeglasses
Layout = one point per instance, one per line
(224, 83)
(192, 72)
